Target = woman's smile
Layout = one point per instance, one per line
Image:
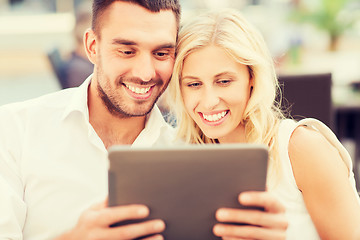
(214, 118)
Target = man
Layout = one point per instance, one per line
(53, 150)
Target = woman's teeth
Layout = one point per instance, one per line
(214, 117)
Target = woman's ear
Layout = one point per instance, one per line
(90, 41)
(251, 83)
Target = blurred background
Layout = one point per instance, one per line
(41, 52)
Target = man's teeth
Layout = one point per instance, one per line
(138, 90)
(214, 117)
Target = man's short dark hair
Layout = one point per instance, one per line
(99, 6)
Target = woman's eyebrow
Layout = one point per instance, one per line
(189, 78)
(225, 74)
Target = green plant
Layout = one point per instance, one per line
(329, 16)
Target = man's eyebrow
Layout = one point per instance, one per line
(117, 41)
(166, 45)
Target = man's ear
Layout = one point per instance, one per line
(90, 41)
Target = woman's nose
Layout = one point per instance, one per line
(210, 98)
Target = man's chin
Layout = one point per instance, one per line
(141, 113)
(135, 112)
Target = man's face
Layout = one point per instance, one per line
(135, 53)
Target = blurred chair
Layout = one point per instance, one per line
(74, 67)
(308, 95)
(71, 71)
(58, 66)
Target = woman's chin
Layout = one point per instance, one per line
(213, 135)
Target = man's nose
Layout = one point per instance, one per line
(144, 67)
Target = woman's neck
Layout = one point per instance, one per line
(238, 135)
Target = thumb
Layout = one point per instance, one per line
(100, 205)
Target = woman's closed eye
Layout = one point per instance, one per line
(193, 84)
(224, 82)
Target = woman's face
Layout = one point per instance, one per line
(216, 90)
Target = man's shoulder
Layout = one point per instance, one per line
(55, 100)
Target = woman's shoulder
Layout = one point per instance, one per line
(310, 137)
(313, 154)
(307, 140)
(307, 135)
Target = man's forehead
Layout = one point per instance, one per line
(141, 27)
(125, 14)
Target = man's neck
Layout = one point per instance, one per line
(111, 129)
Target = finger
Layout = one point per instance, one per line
(106, 201)
(261, 199)
(231, 238)
(154, 237)
(111, 215)
(137, 230)
(253, 217)
(247, 232)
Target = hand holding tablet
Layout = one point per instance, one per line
(186, 185)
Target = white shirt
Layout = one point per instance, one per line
(53, 165)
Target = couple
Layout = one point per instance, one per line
(53, 158)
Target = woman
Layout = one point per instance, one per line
(223, 89)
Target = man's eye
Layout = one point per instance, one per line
(127, 52)
(161, 54)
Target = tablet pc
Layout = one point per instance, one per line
(185, 185)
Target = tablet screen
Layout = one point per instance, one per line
(185, 185)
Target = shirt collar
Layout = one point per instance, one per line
(154, 125)
(79, 100)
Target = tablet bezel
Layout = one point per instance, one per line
(184, 185)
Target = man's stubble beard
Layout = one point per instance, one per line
(112, 104)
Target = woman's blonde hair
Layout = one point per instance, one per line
(230, 31)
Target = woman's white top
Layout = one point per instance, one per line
(286, 190)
